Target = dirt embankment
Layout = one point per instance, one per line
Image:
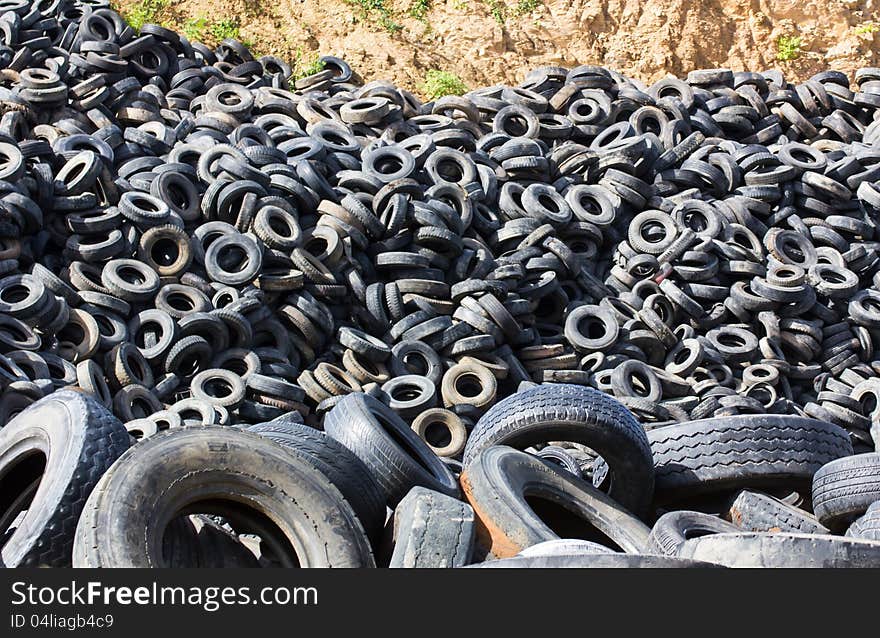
(490, 41)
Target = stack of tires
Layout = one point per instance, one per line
(253, 319)
(742, 491)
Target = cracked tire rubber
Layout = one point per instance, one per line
(345, 470)
(79, 439)
(757, 512)
(758, 549)
(217, 547)
(729, 453)
(563, 412)
(520, 501)
(193, 470)
(432, 530)
(844, 489)
(398, 459)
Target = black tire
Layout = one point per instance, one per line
(221, 471)
(398, 459)
(562, 412)
(217, 547)
(432, 530)
(180, 544)
(756, 512)
(729, 453)
(76, 439)
(674, 528)
(561, 458)
(501, 481)
(844, 489)
(758, 549)
(595, 561)
(345, 470)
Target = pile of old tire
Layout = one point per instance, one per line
(388, 289)
(743, 491)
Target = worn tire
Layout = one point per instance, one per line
(217, 547)
(345, 470)
(562, 412)
(595, 561)
(498, 483)
(432, 530)
(728, 453)
(79, 440)
(757, 512)
(180, 543)
(179, 470)
(867, 526)
(565, 547)
(674, 528)
(758, 549)
(398, 459)
(844, 489)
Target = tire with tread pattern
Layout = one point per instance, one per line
(757, 512)
(867, 525)
(564, 412)
(76, 439)
(731, 453)
(844, 489)
(674, 528)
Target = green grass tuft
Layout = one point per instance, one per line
(145, 12)
(788, 47)
(867, 27)
(306, 65)
(225, 28)
(377, 10)
(440, 83)
(498, 10)
(419, 9)
(195, 28)
(524, 7)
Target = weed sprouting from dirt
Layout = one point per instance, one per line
(419, 9)
(195, 28)
(788, 47)
(230, 28)
(498, 10)
(226, 28)
(866, 28)
(305, 65)
(376, 9)
(440, 83)
(145, 12)
(524, 7)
